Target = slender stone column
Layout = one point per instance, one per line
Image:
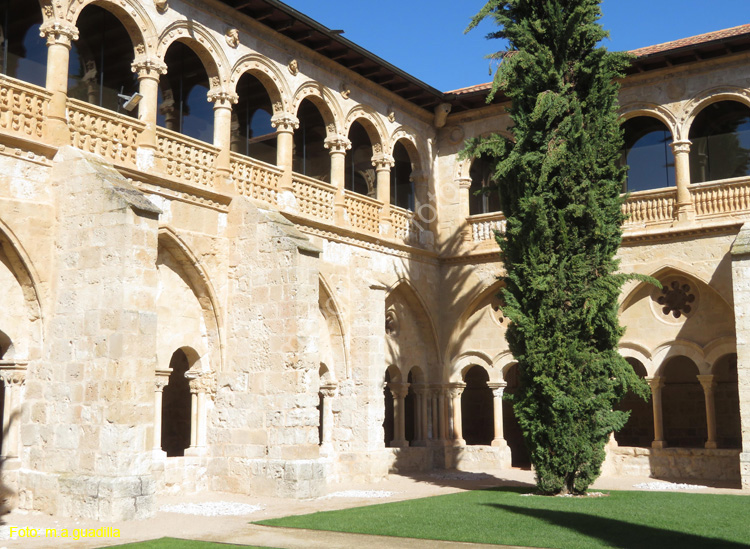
(161, 381)
(285, 124)
(399, 392)
(435, 416)
(684, 210)
(657, 383)
(463, 228)
(13, 378)
(329, 392)
(149, 71)
(59, 37)
(337, 146)
(497, 401)
(709, 385)
(424, 397)
(456, 389)
(443, 403)
(383, 164)
(223, 102)
(193, 417)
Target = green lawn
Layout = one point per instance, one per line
(504, 516)
(172, 543)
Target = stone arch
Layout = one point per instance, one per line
(187, 267)
(465, 362)
(23, 327)
(268, 74)
(683, 404)
(719, 348)
(477, 407)
(415, 340)
(652, 110)
(324, 101)
(666, 351)
(706, 98)
(372, 124)
(203, 43)
(462, 166)
(502, 363)
(639, 429)
(335, 335)
(671, 266)
(638, 352)
(416, 151)
(130, 13)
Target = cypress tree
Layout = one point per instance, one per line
(559, 183)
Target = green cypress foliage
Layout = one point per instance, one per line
(559, 187)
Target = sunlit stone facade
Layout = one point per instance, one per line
(263, 269)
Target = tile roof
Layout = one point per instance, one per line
(649, 50)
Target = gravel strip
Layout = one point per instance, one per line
(667, 486)
(212, 509)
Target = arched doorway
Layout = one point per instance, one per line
(477, 408)
(176, 408)
(639, 430)
(683, 404)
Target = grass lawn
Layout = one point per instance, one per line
(505, 516)
(172, 543)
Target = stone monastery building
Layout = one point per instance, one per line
(240, 253)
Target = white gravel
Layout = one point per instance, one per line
(212, 509)
(667, 486)
(365, 494)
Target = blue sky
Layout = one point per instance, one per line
(426, 39)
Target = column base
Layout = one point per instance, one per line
(659, 444)
(399, 443)
(458, 442)
(196, 451)
(711, 445)
(499, 443)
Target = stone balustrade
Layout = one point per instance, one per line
(649, 208)
(187, 159)
(255, 179)
(23, 108)
(483, 226)
(363, 212)
(314, 197)
(729, 196)
(404, 227)
(101, 131)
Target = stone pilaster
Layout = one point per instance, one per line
(741, 288)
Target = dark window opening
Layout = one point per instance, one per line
(648, 154)
(720, 137)
(639, 430)
(477, 408)
(252, 132)
(310, 155)
(24, 52)
(388, 431)
(99, 67)
(511, 428)
(183, 91)
(683, 405)
(360, 173)
(483, 197)
(402, 186)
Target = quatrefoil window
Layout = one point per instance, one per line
(675, 299)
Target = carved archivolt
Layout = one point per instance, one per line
(661, 113)
(130, 13)
(724, 93)
(269, 75)
(415, 149)
(324, 100)
(371, 122)
(201, 41)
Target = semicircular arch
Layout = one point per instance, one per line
(267, 74)
(202, 42)
(131, 15)
(324, 101)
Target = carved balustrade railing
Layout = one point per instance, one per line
(483, 226)
(255, 179)
(649, 208)
(363, 212)
(23, 108)
(187, 159)
(314, 197)
(721, 198)
(404, 224)
(103, 132)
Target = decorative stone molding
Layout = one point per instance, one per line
(232, 36)
(201, 382)
(13, 375)
(58, 33)
(284, 121)
(398, 389)
(676, 299)
(498, 388)
(382, 161)
(328, 390)
(337, 144)
(391, 323)
(345, 90)
(455, 390)
(681, 147)
(149, 68)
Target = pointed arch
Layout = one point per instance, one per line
(335, 326)
(198, 281)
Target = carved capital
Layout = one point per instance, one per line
(13, 376)
(148, 68)
(285, 122)
(455, 390)
(328, 390)
(497, 388)
(382, 161)
(464, 182)
(656, 383)
(398, 390)
(57, 32)
(221, 98)
(201, 382)
(680, 147)
(707, 382)
(337, 144)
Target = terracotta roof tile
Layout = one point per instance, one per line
(649, 50)
(692, 41)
